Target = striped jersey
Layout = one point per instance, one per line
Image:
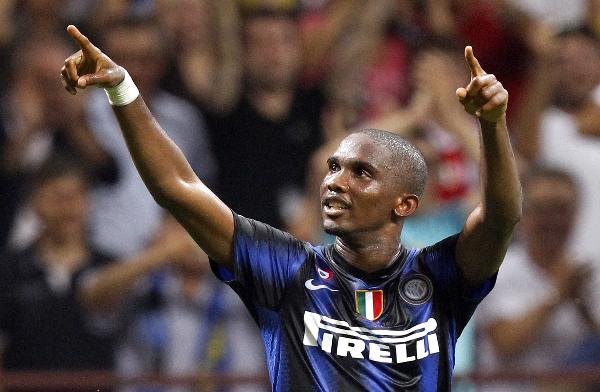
(329, 326)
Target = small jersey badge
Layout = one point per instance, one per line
(416, 289)
(369, 303)
(324, 274)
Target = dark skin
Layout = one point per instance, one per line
(369, 231)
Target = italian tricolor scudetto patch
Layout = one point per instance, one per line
(369, 303)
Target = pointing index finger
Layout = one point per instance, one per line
(474, 66)
(82, 40)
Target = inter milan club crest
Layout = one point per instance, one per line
(369, 303)
(416, 289)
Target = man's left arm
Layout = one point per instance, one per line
(488, 230)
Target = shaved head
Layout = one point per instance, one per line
(407, 162)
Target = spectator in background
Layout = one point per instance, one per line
(560, 126)
(7, 32)
(37, 18)
(179, 318)
(275, 113)
(205, 38)
(42, 320)
(593, 16)
(36, 127)
(118, 225)
(539, 313)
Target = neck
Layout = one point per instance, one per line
(369, 254)
(68, 251)
(273, 104)
(544, 255)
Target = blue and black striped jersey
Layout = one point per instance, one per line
(328, 326)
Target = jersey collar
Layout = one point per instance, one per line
(368, 277)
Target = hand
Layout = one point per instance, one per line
(571, 279)
(484, 96)
(89, 66)
(175, 243)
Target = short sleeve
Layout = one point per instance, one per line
(265, 261)
(440, 259)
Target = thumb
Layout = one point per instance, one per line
(461, 93)
(103, 78)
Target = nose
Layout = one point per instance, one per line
(336, 181)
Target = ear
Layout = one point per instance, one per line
(406, 205)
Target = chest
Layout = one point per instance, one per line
(394, 321)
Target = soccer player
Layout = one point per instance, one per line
(364, 313)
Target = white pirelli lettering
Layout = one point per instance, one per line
(421, 350)
(379, 353)
(354, 347)
(311, 328)
(434, 346)
(402, 354)
(327, 342)
(337, 337)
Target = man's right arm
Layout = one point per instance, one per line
(161, 164)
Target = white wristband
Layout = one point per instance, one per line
(123, 93)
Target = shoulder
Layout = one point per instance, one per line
(250, 229)
(516, 271)
(99, 258)
(312, 95)
(17, 258)
(438, 261)
(444, 248)
(259, 230)
(170, 107)
(17, 265)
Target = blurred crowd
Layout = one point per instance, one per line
(256, 93)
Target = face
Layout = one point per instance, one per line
(62, 205)
(578, 63)
(273, 51)
(549, 211)
(39, 75)
(140, 50)
(360, 192)
(190, 21)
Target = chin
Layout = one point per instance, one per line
(333, 229)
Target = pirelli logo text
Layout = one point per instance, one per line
(339, 338)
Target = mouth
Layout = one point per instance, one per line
(334, 206)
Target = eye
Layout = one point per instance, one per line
(362, 171)
(333, 166)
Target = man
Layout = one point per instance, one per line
(36, 130)
(42, 319)
(560, 126)
(365, 313)
(539, 314)
(178, 318)
(273, 112)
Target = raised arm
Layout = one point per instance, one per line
(161, 164)
(488, 230)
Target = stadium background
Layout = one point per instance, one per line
(256, 93)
